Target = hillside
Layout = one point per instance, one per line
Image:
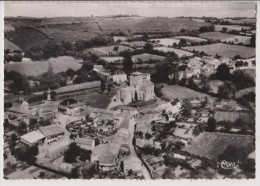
(10, 46)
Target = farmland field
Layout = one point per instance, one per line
(110, 49)
(146, 57)
(242, 92)
(242, 21)
(134, 44)
(191, 39)
(224, 50)
(226, 37)
(179, 52)
(116, 59)
(231, 27)
(175, 91)
(34, 68)
(166, 41)
(211, 145)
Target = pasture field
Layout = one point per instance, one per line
(116, 59)
(231, 27)
(179, 52)
(242, 92)
(242, 21)
(166, 41)
(176, 91)
(34, 68)
(191, 39)
(110, 49)
(211, 145)
(226, 37)
(224, 50)
(146, 57)
(11, 46)
(134, 44)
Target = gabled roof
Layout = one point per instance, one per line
(79, 104)
(136, 73)
(108, 159)
(33, 137)
(84, 141)
(51, 130)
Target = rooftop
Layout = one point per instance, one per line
(51, 130)
(33, 136)
(84, 141)
(136, 73)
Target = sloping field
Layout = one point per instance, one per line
(191, 39)
(179, 52)
(26, 37)
(113, 59)
(231, 27)
(224, 50)
(226, 37)
(34, 68)
(11, 46)
(110, 49)
(175, 91)
(241, 21)
(166, 41)
(147, 57)
(211, 145)
(242, 92)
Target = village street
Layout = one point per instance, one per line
(132, 149)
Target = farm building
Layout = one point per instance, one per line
(108, 162)
(86, 143)
(32, 138)
(211, 145)
(52, 133)
(107, 148)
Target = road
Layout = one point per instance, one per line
(145, 172)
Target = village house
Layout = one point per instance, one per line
(33, 138)
(108, 162)
(74, 109)
(86, 143)
(118, 77)
(195, 103)
(102, 149)
(52, 133)
(139, 89)
(130, 111)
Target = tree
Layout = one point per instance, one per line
(168, 174)
(103, 85)
(227, 90)
(224, 29)
(223, 72)
(70, 72)
(127, 63)
(148, 47)
(252, 41)
(211, 124)
(136, 96)
(71, 154)
(116, 49)
(79, 45)
(87, 66)
(22, 128)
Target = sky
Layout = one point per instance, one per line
(149, 9)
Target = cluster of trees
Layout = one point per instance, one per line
(27, 154)
(16, 57)
(232, 82)
(210, 28)
(20, 82)
(55, 49)
(74, 152)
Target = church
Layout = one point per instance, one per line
(140, 89)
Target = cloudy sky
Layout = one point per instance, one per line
(168, 9)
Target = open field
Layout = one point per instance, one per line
(166, 41)
(224, 50)
(191, 39)
(176, 91)
(241, 21)
(226, 37)
(231, 27)
(11, 46)
(97, 100)
(134, 44)
(34, 68)
(242, 92)
(179, 52)
(116, 59)
(147, 57)
(211, 145)
(104, 51)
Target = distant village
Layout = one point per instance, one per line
(115, 118)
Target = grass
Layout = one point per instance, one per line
(34, 68)
(107, 49)
(191, 39)
(224, 50)
(176, 91)
(167, 41)
(113, 59)
(211, 145)
(146, 57)
(179, 52)
(97, 100)
(245, 91)
(226, 37)
(231, 27)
